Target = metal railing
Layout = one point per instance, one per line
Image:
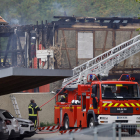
(104, 62)
(115, 131)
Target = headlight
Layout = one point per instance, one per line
(24, 125)
(104, 118)
(30, 122)
(138, 117)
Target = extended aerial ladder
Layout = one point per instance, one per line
(101, 64)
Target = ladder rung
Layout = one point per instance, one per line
(17, 111)
(100, 64)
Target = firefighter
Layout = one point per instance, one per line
(63, 98)
(33, 108)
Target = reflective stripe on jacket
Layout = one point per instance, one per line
(33, 108)
(62, 99)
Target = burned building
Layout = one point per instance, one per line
(62, 44)
(73, 40)
(84, 38)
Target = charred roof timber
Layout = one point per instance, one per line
(67, 22)
(110, 22)
(6, 31)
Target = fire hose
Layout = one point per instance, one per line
(48, 102)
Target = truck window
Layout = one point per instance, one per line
(62, 98)
(83, 101)
(119, 91)
(98, 92)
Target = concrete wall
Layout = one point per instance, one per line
(6, 103)
(23, 100)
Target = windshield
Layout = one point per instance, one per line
(7, 115)
(123, 91)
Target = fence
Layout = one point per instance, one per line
(115, 131)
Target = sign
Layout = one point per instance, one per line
(121, 110)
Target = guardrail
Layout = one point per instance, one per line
(115, 131)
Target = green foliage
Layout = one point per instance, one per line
(29, 11)
(46, 124)
(138, 1)
(138, 17)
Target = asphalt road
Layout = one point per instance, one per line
(103, 132)
(43, 136)
(58, 136)
(82, 136)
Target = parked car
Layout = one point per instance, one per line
(4, 133)
(11, 123)
(26, 128)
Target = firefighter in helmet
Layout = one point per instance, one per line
(33, 108)
(63, 98)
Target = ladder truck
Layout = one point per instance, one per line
(91, 101)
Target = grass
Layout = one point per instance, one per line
(42, 124)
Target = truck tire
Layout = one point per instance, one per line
(132, 130)
(20, 138)
(66, 123)
(91, 122)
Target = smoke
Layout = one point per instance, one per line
(15, 21)
(61, 11)
(58, 8)
(10, 20)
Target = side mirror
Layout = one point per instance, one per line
(93, 95)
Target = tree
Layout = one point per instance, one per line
(20, 11)
(29, 11)
(139, 17)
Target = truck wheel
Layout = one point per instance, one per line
(91, 122)
(66, 123)
(132, 130)
(20, 138)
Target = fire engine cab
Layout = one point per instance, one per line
(89, 101)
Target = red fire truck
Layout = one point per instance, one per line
(88, 101)
(100, 102)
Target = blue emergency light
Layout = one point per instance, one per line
(105, 108)
(127, 76)
(90, 76)
(137, 108)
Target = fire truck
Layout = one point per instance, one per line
(89, 100)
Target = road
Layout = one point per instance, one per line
(57, 136)
(43, 136)
(82, 136)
